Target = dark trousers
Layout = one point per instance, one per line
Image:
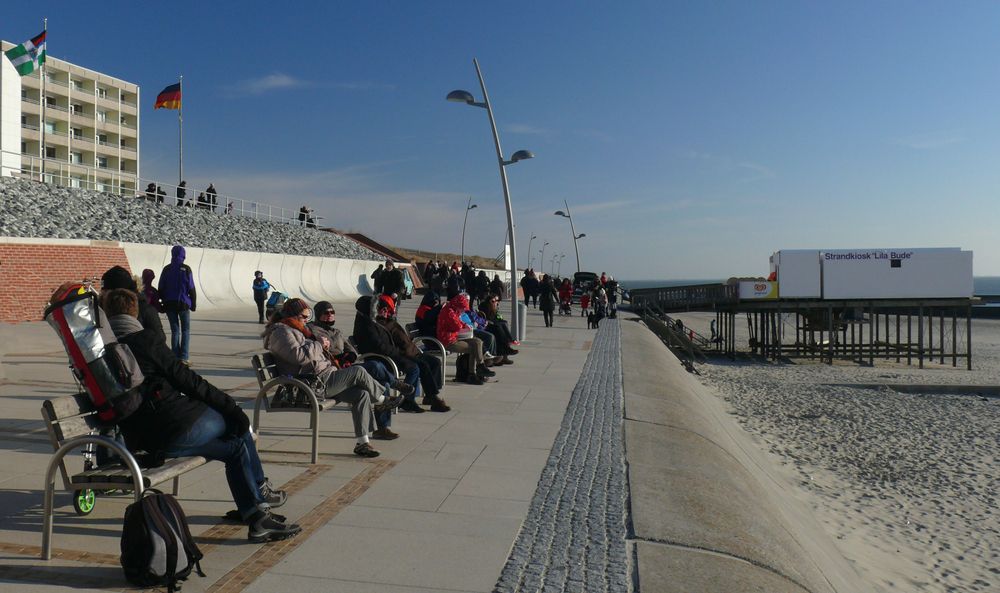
(260, 300)
(547, 313)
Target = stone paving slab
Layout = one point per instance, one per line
(445, 505)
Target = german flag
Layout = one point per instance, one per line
(169, 98)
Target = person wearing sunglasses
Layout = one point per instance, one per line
(343, 354)
(297, 353)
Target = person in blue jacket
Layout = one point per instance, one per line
(179, 299)
(260, 289)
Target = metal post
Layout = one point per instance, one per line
(515, 313)
(572, 229)
(467, 208)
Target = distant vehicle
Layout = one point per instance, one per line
(582, 281)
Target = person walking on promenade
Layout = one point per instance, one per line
(179, 298)
(260, 289)
(151, 295)
(202, 202)
(211, 197)
(497, 287)
(547, 297)
(377, 279)
(181, 193)
(296, 352)
(392, 281)
(184, 415)
(160, 195)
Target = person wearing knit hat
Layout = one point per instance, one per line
(344, 354)
(119, 277)
(297, 351)
(260, 289)
(378, 333)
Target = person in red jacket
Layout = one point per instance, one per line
(565, 297)
(457, 337)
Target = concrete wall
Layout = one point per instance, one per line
(711, 511)
(31, 269)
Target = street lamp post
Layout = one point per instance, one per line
(559, 269)
(541, 260)
(467, 98)
(572, 229)
(533, 237)
(468, 207)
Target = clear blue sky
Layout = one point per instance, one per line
(691, 139)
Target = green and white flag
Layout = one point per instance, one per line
(28, 56)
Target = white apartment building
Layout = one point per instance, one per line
(85, 135)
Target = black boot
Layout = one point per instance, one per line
(462, 367)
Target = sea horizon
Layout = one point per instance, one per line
(982, 285)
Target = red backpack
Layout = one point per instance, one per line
(107, 370)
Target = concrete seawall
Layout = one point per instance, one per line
(223, 278)
(30, 269)
(711, 512)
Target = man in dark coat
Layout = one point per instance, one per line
(392, 280)
(383, 335)
(119, 277)
(177, 292)
(184, 415)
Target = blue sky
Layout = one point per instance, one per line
(691, 139)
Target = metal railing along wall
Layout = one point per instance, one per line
(63, 173)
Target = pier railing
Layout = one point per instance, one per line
(685, 298)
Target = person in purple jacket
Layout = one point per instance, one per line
(179, 300)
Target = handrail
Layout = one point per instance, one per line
(31, 168)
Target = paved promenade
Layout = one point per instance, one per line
(440, 510)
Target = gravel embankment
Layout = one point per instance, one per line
(32, 209)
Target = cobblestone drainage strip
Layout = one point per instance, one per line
(574, 537)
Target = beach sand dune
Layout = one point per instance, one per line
(906, 483)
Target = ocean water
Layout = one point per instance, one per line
(982, 285)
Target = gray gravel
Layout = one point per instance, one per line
(573, 538)
(33, 209)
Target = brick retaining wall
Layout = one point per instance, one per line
(30, 272)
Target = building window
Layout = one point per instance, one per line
(77, 85)
(102, 138)
(102, 162)
(24, 148)
(50, 127)
(102, 115)
(76, 158)
(50, 152)
(76, 109)
(50, 101)
(75, 181)
(102, 92)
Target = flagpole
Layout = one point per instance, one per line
(41, 73)
(180, 125)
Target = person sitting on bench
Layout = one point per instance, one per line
(183, 415)
(296, 352)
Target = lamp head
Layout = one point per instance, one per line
(461, 96)
(521, 155)
(473, 206)
(581, 235)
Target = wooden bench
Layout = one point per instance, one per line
(72, 424)
(270, 380)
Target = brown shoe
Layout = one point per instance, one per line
(384, 434)
(365, 450)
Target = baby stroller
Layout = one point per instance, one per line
(274, 302)
(566, 306)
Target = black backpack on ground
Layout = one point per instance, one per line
(157, 546)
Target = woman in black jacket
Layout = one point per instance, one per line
(184, 415)
(547, 299)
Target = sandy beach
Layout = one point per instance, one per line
(906, 484)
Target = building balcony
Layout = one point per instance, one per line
(30, 100)
(56, 107)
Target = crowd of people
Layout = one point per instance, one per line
(550, 293)
(206, 200)
(186, 415)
